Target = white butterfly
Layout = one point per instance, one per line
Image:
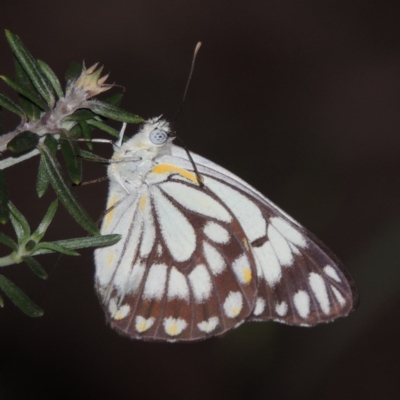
(202, 252)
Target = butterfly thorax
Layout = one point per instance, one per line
(134, 159)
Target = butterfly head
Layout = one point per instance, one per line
(154, 136)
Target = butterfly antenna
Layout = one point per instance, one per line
(197, 173)
(196, 50)
(198, 176)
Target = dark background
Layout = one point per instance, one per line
(299, 98)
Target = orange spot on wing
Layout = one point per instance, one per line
(172, 169)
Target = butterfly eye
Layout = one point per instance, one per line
(158, 136)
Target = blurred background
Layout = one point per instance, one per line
(299, 98)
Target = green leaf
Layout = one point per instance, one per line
(18, 229)
(52, 77)
(7, 241)
(11, 106)
(70, 151)
(31, 67)
(103, 127)
(19, 298)
(31, 109)
(80, 115)
(46, 221)
(20, 224)
(4, 197)
(24, 141)
(1, 121)
(35, 267)
(92, 157)
(63, 190)
(1, 302)
(87, 134)
(42, 182)
(110, 111)
(25, 92)
(54, 248)
(84, 242)
(30, 245)
(75, 132)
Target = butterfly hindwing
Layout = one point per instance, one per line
(185, 269)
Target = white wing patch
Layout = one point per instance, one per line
(174, 326)
(233, 304)
(177, 231)
(200, 282)
(248, 214)
(338, 296)
(177, 285)
(281, 309)
(142, 324)
(197, 201)
(280, 246)
(214, 259)
(209, 325)
(268, 263)
(149, 231)
(216, 233)
(331, 273)
(242, 269)
(259, 307)
(118, 312)
(155, 283)
(319, 289)
(135, 278)
(289, 232)
(302, 303)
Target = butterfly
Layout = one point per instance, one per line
(202, 251)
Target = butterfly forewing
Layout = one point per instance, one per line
(299, 281)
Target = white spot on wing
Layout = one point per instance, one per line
(259, 307)
(200, 281)
(149, 233)
(174, 326)
(143, 324)
(319, 289)
(118, 312)
(338, 296)
(281, 246)
(155, 283)
(248, 214)
(290, 233)
(196, 200)
(233, 304)
(216, 233)
(269, 264)
(177, 231)
(281, 308)
(135, 278)
(241, 268)
(214, 259)
(331, 273)
(177, 285)
(302, 303)
(209, 325)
